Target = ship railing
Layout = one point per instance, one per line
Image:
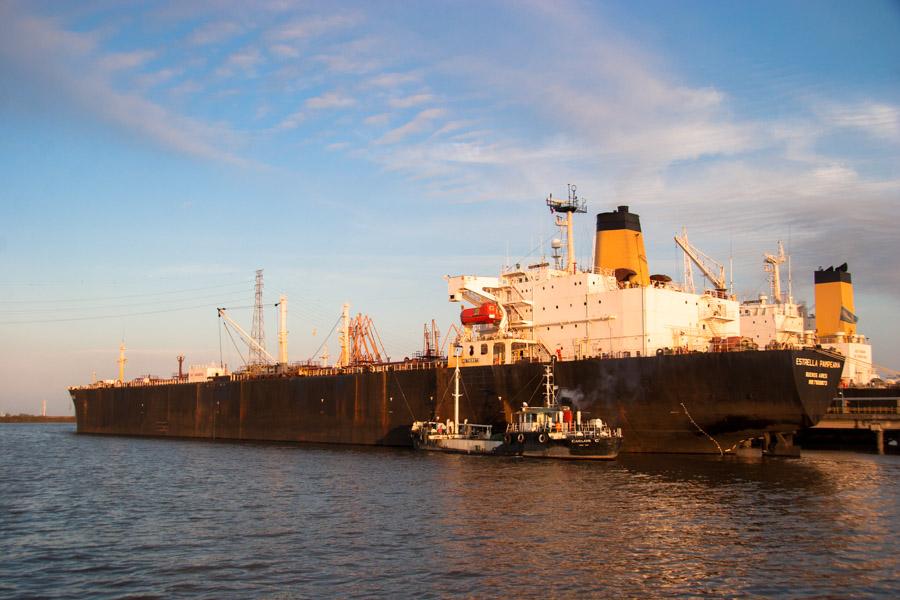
(411, 365)
(131, 384)
(585, 430)
(887, 405)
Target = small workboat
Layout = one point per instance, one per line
(451, 435)
(556, 431)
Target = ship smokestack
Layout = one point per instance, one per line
(834, 302)
(619, 246)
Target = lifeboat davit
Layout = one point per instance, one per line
(486, 314)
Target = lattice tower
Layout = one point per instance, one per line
(258, 331)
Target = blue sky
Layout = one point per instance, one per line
(155, 154)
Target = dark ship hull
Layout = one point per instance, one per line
(696, 403)
(540, 445)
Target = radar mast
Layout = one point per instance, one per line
(572, 205)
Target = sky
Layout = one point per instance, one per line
(153, 155)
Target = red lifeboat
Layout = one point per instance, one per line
(486, 314)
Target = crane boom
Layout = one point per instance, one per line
(707, 265)
(246, 337)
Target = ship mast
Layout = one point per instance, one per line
(282, 330)
(345, 336)
(456, 396)
(548, 386)
(771, 263)
(122, 360)
(572, 205)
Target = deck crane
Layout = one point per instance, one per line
(771, 263)
(711, 268)
(248, 339)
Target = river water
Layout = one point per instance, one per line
(106, 517)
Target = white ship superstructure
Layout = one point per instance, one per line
(780, 322)
(775, 321)
(774, 324)
(615, 309)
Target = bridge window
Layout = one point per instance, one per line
(484, 349)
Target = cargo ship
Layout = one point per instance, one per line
(635, 347)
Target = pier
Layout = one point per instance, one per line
(851, 416)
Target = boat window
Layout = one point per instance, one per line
(484, 349)
(471, 350)
(499, 353)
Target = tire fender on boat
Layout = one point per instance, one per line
(542, 438)
(520, 438)
(507, 439)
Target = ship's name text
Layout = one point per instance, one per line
(813, 362)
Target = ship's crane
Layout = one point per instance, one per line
(711, 269)
(254, 346)
(771, 263)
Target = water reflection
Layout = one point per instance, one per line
(87, 516)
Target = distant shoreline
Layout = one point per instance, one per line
(35, 419)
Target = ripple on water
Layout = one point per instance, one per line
(97, 517)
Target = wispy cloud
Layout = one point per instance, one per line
(292, 121)
(213, 33)
(284, 51)
(313, 26)
(330, 100)
(378, 120)
(245, 60)
(355, 57)
(421, 122)
(124, 61)
(877, 119)
(155, 78)
(72, 65)
(391, 80)
(411, 101)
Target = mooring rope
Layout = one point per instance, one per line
(402, 395)
(721, 452)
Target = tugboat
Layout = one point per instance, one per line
(556, 431)
(451, 435)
